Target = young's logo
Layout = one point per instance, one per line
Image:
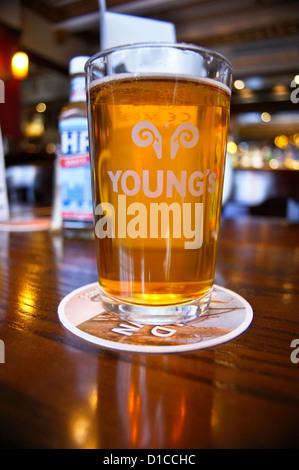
(145, 133)
(157, 219)
(185, 135)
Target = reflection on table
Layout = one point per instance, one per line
(60, 391)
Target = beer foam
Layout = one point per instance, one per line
(155, 76)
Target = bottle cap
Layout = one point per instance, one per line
(77, 64)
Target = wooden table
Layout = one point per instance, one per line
(59, 391)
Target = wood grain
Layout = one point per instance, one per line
(58, 391)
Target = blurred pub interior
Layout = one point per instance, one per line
(259, 37)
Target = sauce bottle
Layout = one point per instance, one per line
(74, 163)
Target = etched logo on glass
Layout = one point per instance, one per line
(177, 219)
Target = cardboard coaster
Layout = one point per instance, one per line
(81, 312)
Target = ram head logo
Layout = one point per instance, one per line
(145, 134)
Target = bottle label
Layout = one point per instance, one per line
(75, 177)
(77, 89)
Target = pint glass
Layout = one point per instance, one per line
(158, 117)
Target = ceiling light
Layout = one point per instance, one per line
(19, 65)
(274, 164)
(280, 89)
(41, 107)
(281, 141)
(232, 147)
(246, 93)
(266, 117)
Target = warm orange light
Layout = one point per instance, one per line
(281, 141)
(19, 65)
(232, 147)
(295, 139)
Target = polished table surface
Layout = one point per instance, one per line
(58, 391)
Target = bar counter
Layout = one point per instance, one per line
(59, 391)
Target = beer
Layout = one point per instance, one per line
(158, 149)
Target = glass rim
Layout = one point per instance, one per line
(151, 44)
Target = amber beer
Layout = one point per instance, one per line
(158, 151)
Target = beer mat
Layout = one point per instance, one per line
(81, 313)
(25, 225)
